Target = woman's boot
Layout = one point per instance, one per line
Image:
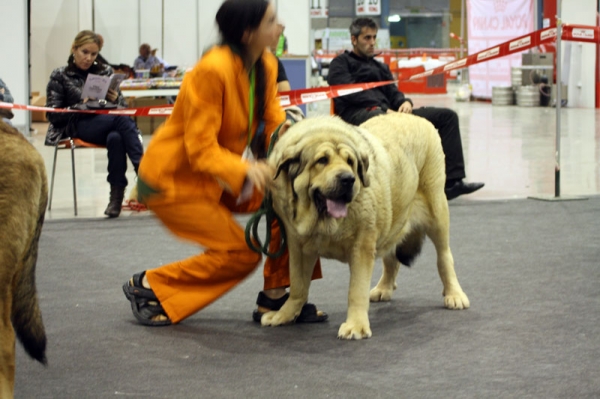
(113, 209)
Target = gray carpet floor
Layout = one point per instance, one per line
(531, 271)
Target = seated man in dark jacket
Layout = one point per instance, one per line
(359, 66)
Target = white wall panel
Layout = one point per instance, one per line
(583, 55)
(181, 33)
(13, 47)
(118, 22)
(296, 17)
(207, 27)
(151, 25)
(54, 24)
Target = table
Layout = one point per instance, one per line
(150, 93)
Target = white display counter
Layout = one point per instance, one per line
(150, 93)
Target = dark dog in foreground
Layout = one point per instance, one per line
(23, 198)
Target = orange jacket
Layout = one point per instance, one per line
(197, 151)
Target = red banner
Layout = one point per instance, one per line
(491, 22)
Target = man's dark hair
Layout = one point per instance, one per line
(360, 23)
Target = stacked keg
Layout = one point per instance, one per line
(528, 96)
(503, 95)
(516, 77)
(525, 96)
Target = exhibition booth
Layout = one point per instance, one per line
(413, 37)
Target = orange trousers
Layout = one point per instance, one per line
(187, 286)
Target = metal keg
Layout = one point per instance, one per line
(503, 95)
(528, 96)
(516, 77)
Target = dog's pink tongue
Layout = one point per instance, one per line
(337, 209)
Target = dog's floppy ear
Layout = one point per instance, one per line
(292, 166)
(363, 166)
(289, 166)
(290, 163)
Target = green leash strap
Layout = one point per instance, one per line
(266, 209)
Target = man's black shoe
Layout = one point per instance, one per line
(461, 188)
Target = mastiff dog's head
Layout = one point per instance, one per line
(321, 167)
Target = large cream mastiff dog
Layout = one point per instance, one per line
(355, 194)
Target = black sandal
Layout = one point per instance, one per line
(144, 303)
(308, 314)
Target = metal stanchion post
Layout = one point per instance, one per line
(557, 196)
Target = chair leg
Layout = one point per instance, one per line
(52, 180)
(73, 171)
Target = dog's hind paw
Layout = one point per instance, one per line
(457, 301)
(380, 294)
(354, 331)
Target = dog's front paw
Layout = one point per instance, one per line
(381, 294)
(349, 330)
(278, 318)
(456, 300)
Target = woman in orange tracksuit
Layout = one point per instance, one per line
(193, 175)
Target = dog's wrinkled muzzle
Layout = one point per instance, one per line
(335, 203)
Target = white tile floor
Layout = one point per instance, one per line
(510, 148)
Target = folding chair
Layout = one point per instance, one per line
(66, 144)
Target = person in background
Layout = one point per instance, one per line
(6, 97)
(118, 133)
(145, 60)
(204, 164)
(360, 66)
(282, 80)
(293, 113)
(282, 45)
(160, 60)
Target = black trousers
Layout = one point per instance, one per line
(120, 136)
(445, 121)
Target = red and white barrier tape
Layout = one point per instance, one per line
(156, 110)
(288, 98)
(579, 33)
(297, 97)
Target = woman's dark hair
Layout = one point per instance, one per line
(236, 17)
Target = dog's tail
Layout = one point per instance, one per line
(26, 314)
(410, 248)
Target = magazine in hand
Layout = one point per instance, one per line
(96, 86)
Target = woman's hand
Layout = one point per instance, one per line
(261, 175)
(406, 107)
(112, 95)
(284, 128)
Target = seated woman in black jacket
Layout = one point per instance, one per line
(118, 133)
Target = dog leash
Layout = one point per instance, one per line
(266, 209)
(134, 205)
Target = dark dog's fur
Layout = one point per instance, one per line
(23, 198)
